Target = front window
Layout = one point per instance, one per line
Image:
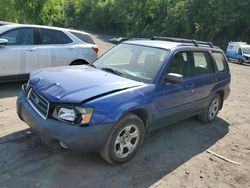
(20, 36)
(246, 50)
(136, 62)
(190, 64)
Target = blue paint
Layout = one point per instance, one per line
(112, 96)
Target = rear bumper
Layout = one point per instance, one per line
(77, 139)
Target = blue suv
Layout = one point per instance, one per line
(138, 86)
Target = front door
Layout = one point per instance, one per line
(171, 98)
(20, 55)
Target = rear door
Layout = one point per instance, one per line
(20, 55)
(222, 70)
(55, 48)
(201, 74)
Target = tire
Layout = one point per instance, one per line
(124, 140)
(240, 61)
(78, 63)
(210, 113)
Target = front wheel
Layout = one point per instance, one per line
(210, 113)
(240, 61)
(124, 140)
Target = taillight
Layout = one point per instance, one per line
(95, 48)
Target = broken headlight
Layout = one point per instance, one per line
(73, 115)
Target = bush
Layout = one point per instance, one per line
(219, 21)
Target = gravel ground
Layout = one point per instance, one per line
(174, 156)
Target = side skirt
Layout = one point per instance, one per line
(179, 113)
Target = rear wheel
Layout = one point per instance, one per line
(210, 113)
(79, 62)
(124, 140)
(240, 61)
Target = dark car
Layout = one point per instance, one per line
(136, 87)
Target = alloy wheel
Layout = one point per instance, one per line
(214, 108)
(126, 141)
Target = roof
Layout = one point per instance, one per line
(5, 23)
(13, 26)
(245, 46)
(243, 43)
(154, 43)
(168, 45)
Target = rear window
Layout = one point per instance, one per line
(219, 60)
(83, 37)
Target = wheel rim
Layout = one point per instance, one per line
(214, 108)
(126, 141)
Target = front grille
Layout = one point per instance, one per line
(40, 104)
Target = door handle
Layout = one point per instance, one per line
(70, 48)
(31, 49)
(189, 86)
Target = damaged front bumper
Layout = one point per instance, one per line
(55, 133)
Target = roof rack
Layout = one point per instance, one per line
(195, 42)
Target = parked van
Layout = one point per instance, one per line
(238, 52)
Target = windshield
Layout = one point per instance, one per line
(136, 62)
(246, 50)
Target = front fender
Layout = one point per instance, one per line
(112, 107)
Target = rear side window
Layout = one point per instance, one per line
(219, 60)
(49, 36)
(202, 63)
(83, 37)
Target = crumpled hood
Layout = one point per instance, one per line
(78, 83)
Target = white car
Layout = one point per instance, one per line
(25, 48)
(5, 23)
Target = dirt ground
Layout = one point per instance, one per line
(171, 157)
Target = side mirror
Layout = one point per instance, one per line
(3, 41)
(174, 78)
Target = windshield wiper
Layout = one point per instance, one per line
(112, 71)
